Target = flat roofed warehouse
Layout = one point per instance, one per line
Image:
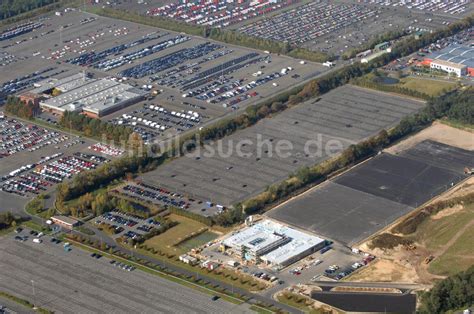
(273, 243)
(460, 58)
(95, 97)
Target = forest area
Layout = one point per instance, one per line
(10, 8)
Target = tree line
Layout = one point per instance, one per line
(453, 293)
(103, 175)
(18, 108)
(7, 220)
(373, 81)
(96, 128)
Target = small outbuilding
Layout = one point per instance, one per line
(65, 222)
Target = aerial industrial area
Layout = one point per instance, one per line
(237, 156)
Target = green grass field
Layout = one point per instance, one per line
(427, 86)
(165, 241)
(458, 125)
(197, 241)
(436, 234)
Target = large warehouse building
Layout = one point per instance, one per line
(93, 97)
(457, 59)
(272, 243)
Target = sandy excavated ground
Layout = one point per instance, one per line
(385, 270)
(438, 132)
(399, 264)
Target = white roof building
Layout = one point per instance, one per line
(273, 243)
(95, 96)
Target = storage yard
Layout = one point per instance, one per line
(271, 126)
(336, 26)
(324, 126)
(372, 195)
(309, 22)
(192, 79)
(220, 13)
(161, 196)
(70, 282)
(35, 159)
(452, 7)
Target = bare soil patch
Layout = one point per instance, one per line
(438, 132)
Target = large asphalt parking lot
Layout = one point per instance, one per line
(344, 116)
(74, 282)
(363, 200)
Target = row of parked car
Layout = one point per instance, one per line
(20, 30)
(118, 219)
(265, 276)
(240, 90)
(107, 149)
(17, 136)
(218, 71)
(7, 58)
(122, 265)
(218, 13)
(63, 168)
(92, 58)
(22, 82)
(178, 74)
(116, 62)
(453, 7)
(334, 271)
(308, 22)
(159, 119)
(37, 177)
(170, 60)
(25, 184)
(91, 157)
(160, 195)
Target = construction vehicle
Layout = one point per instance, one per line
(428, 259)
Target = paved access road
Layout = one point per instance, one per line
(75, 282)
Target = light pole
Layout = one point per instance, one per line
(34, 294)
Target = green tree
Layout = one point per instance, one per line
(452, 293)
